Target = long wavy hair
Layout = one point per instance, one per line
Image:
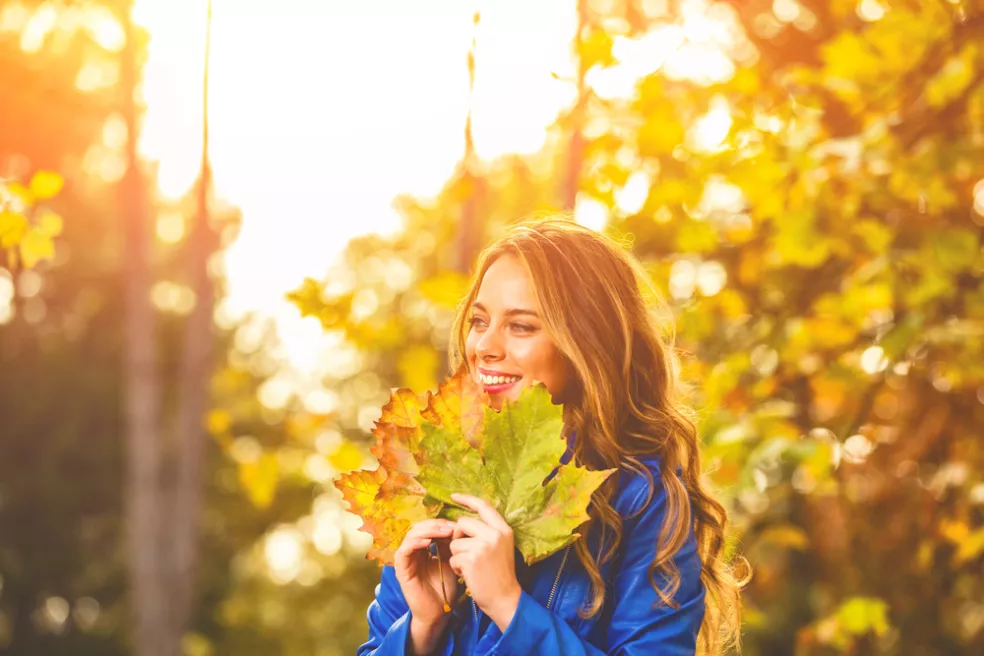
(601, 311)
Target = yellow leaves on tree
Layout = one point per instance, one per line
(27, 229)
(259, 479)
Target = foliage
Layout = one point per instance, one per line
(456, 443)
(62, 588)
(26, 229)
(812, 208)
(810, 199)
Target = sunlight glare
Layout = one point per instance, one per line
(871, 10)
(13, 16)
(104, 28)
(683, 279)
(284, 553)
(873, 360)
(631, 197)
(711, 278)
(172, 298)
(590, 212)
(709, 131)
(786, 10)
(979, 197)
(327, 537)
(636, 58)
(344, 107)
(38, 26)
(170, 226)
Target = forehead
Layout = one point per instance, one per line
(507, 284)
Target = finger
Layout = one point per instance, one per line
(431, 528)
(410, 545)
(485, 511)
(407, 556)
(461, 545)
(457, 563)
(475, 528)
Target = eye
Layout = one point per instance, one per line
(476, 321)
(523, 328)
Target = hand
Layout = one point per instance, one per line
(419, 575)
(483, 554)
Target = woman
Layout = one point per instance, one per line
(557, 303)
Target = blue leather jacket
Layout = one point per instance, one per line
(632, 621)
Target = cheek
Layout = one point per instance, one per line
(541, 360)
(470, 341)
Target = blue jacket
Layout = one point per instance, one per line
(632, 621)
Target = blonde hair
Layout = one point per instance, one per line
(596, 303)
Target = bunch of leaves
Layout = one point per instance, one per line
(452, 441)
(27, 226)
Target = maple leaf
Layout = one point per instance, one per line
(395, 446)
(399, 504)
(520, 447)
(457, 443)
(359, 488)
(403, 409)
(459, 405)
(389, 503)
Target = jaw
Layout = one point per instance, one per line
(498, 399)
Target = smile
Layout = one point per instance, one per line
(496, 384)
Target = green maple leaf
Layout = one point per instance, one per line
(519, 447)
(457, 443)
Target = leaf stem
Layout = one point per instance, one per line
(440, 570)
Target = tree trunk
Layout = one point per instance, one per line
(575, 152)
(142, 381)
(163, 521)
(468, 228)
(193, 392)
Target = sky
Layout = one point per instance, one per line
(322, 111)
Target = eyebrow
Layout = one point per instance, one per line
(509, 313)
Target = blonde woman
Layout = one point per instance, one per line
(555, 302)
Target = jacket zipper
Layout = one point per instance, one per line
(560, 570)
(553, 590)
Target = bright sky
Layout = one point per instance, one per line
(323, 110)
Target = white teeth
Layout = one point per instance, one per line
(499, 380)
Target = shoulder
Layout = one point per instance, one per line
(640, 487)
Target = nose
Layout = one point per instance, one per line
(489, 347)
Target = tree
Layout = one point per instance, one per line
(63, 327)
(809, 202)
(59, 483)
(165, 508)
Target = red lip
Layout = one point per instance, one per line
(501, 387)
(489, 372)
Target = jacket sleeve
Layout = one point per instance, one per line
(639, 624)
(389, 619)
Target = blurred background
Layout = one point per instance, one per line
(205, 298)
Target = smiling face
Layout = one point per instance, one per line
(507, 346)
